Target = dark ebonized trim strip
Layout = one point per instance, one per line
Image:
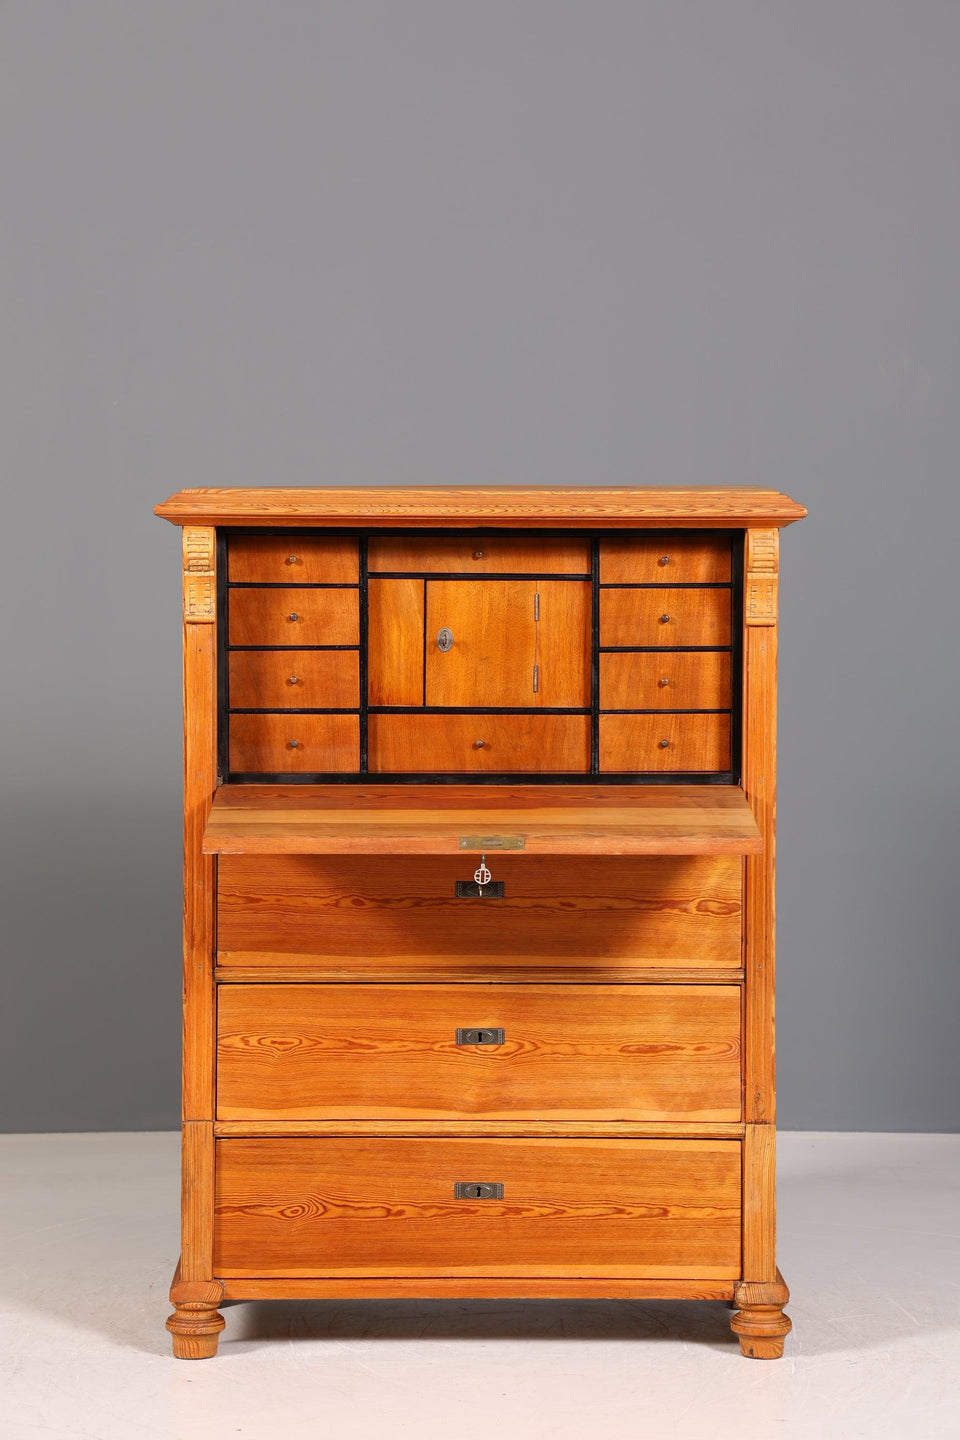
(316, 710)
(468, 575)
(664, 712)
(666, 585)
(293, 647)
(292, 585)
(363, 601)
(663, 649)
(223, 677)
(594, 656)
(479, 710)
(515, 777)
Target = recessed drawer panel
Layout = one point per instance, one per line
(665, 560)
(463, 743)
(294, 679)
(676, 680)
(294, 744)
(281, 616)
(598, 1052)
(666, 617)
(351, 1205)
(293, 559)
(483, 555)
(684, 744)
(350, 915)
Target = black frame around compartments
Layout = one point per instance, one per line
(514, 777)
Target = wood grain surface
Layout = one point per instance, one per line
(381, 1206)
(432, 820)
(331, 911)
(293, 559)
(521, 507)
(665, 617)
(665, 560)
(287, 616)
(462, 744)
(497, 642)
(395, 642)
(674, 680)
(294, 744)
(685, 744)
(480, 555)
(640, 1052)
(442, 1287)
(294, 679)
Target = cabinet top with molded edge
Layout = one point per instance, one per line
(520, 507)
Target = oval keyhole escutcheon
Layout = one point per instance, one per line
(444, 639)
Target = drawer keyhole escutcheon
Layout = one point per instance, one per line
(486, 1036)
(444, 639)
(477, 1190)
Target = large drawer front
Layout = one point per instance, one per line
(354, 914)
(463, 744)
(600, 1052)
(372, 1206)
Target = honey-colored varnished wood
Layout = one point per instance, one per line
(333, 911)
(514, 642)
(510, 506)
(294, 744)
(195, 1324)
(672, 680)
(683, 744)
(294, 679)
(464, 744)
(640, 1052)
(395, 644)
(468, 1287)
(479, 555)
(353, 1206)
(281, 615)
(665, 560)
(760, 1324)
(427, 820)
(537, 690)
(665, 617)
(199, 869)
(294, 560)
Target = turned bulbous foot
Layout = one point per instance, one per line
(759, 1323)
(196, 1322)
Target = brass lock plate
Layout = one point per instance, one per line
(477, 1190)
(493, 842)
(482, 1036)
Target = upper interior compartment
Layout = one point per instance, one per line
(480, 655)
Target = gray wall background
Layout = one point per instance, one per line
(512, 241)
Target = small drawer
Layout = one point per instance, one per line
(664, 617)
(556, 1052)
(685, 744)
(463, 743)
(294, 679)
(484, 555)
(294, 744)
(291, 617)
(676, 680)
(665, 560)
(353, 1205)
(293, 560)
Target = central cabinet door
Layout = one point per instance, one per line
(508, 643)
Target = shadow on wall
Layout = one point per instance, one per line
(91, 959)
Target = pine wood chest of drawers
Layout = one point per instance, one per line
(479, 800)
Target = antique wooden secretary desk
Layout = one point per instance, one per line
(479, 897)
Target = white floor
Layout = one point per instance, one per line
(869, 1243)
